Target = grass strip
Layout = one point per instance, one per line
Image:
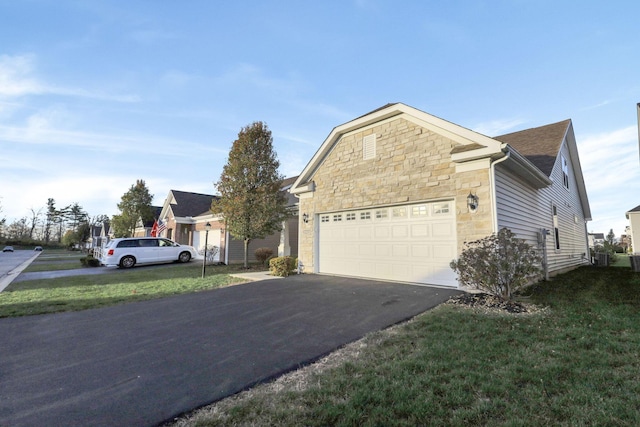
(575, 363)
(92, 291)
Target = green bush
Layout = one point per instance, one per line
(498, 264)
(282, 266)
(263, 254)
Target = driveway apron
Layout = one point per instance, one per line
(140, 364)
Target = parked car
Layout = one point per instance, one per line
(38, 249)
(7, 249)
(127, 252)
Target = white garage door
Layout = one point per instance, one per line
(212, 240)
(411, 243)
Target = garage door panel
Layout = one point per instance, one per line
(382, 251)
(399, 231)
(366, 250)
(366, 233)
(351, 233)
(420, 251)
(443, 229)
(412, 248)
(420, 230)
(382, 232)
(443, 252)
(400, 251)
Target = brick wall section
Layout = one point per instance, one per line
(412, 164)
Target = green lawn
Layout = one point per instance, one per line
(56, 259)
(575, 364)
(91, 291)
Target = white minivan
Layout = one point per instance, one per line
(127, 252)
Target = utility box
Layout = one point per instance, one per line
(602, 259)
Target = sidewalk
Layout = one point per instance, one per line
(7, 278)
(255, 276)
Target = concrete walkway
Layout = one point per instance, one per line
(143, 363)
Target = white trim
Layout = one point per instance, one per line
(435, 124)
(473, 165)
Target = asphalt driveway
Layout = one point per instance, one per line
(142, 363)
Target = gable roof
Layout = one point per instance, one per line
(636, 209)
(539, 145)
(482, 145)
(186, 204)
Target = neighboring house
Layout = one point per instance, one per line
(396, 193)
(143, 228)
(625, 242)
(633, 216)
(596, 239)
(185, 215)
(99, 235)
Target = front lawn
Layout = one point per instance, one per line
(577, 363)
(92, 291)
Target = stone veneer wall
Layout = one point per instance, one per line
(412, 164)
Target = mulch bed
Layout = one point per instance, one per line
(491, 303)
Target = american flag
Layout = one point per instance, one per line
(161, 226)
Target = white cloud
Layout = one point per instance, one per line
(17, 79)
(498, 127)
(611, 171)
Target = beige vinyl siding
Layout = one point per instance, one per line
(525, 211)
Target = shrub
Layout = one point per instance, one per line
(89, 261)
(263, 254)
(497, 264)
(282, 266)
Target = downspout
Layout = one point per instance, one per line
(492, 185)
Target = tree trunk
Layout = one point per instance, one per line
(246, 253)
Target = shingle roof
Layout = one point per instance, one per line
(191, 204)
(539, 145)
(636, 209)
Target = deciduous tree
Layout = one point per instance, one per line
(251, 202)
(134, 206)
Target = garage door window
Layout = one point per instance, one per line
(365, 215)
(324, 218)
(382, 214)
(400, 212)
(441, 208)
(420, 210)
(337, 217)
(351, 217)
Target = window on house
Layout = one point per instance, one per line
(565, 172)
(369, 147)
(556, 232)
(351, 217)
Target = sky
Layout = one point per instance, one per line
(95, 95)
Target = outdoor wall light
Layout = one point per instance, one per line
(305, 218)
(472, 202)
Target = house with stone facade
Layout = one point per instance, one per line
(396, 193)
(184, 216)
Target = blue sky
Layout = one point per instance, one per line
(94, 95)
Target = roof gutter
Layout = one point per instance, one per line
(492, 186)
